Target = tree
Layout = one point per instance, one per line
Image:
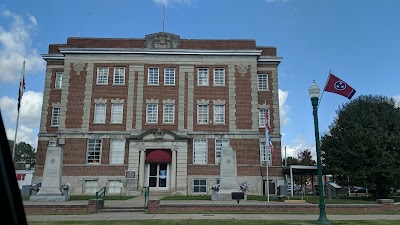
(362, 146)
(24, 154)
(291, 161)
(305, 158)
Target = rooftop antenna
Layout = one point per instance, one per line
(163, 17)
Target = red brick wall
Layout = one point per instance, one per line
(243, 99)
(54, 97)
(76, 97)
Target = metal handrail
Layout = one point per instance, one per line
(102, 192)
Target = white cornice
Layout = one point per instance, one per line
(53, 56)
(249, 52)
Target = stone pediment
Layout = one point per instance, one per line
(158, 135)
(162, 40)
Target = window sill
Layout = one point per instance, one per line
(102, 84)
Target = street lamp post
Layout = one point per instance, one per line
(314, 94)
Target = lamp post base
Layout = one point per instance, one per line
(322, 215)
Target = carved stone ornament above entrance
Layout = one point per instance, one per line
(162, 40)
(78, 68)
(242, 70)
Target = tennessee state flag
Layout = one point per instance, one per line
(338, 86)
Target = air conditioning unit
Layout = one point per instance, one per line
(130, 174)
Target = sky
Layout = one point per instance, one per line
(358, 41)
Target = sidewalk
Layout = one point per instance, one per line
(139, 202)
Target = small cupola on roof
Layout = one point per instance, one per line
(162, 40)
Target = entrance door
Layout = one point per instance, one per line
(158, 176)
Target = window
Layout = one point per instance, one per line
(152, 113)
(55, 117)
(202, 77)
(262, 82)
(261, 117)
(219, 77)
(59, 77)
(153, 76)
(168, 115)
(202, 114)
(219, 143)
(117, 151)
(117, 110)
(114, 186)
(100, 113)
(102, 75)
(219, 113)
(52, 143)
(200, 151)
(264, 155)
(119, 75)
(90, 186)
(93, 151)
(169, 76)
(199, 185)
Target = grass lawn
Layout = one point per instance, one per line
(87, 197)
(214, 222)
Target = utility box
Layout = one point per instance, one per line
(283, 190)
(26, 190)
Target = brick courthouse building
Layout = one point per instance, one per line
(131, 113)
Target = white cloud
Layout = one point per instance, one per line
(397, 100)
(166, 2)
(29, 118)
(297, 145)
(283, 107)
(15, 47)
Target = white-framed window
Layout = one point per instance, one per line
(117, 110)
(152, 113)
(168, 114)
(199, 185)
(219, 77)
(202, 113)
(55, 117)
(117, 151)
(102, 75)
(94, 151)
(119, 75)
(90, 186)
(99, 113)
(264, 154)
(153, 77)
(219, 113)
(261, 117)
(200, 151)
(59, 78)
(114, 186)
(169, 76)
(202, 77)
(262, 82)
(219, 143)
(52, 143)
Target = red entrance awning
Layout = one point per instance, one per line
(158, 156)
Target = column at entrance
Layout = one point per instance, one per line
(173, 170)
(142, 159)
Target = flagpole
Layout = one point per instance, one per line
(322, 94)
(19, 105)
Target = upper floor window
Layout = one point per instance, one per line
(152, 113)
(202, 77)
(117, 110)
(219, 77)
(99, 113)
(117, 151)
(262, 82)
(153, 76)
(219, 143)
(102, 75)
(169, 76)
(219, 113)
(168, 115)
(59, 78)
(94, 151)
(119, 75)
(55, 117)
(200, 151)
(262, 117)
(202, 113)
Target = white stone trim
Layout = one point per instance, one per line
(139, 95)
(131, 93)
(152, 101)
(117, 101)
(232, 98)
(88, 97)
